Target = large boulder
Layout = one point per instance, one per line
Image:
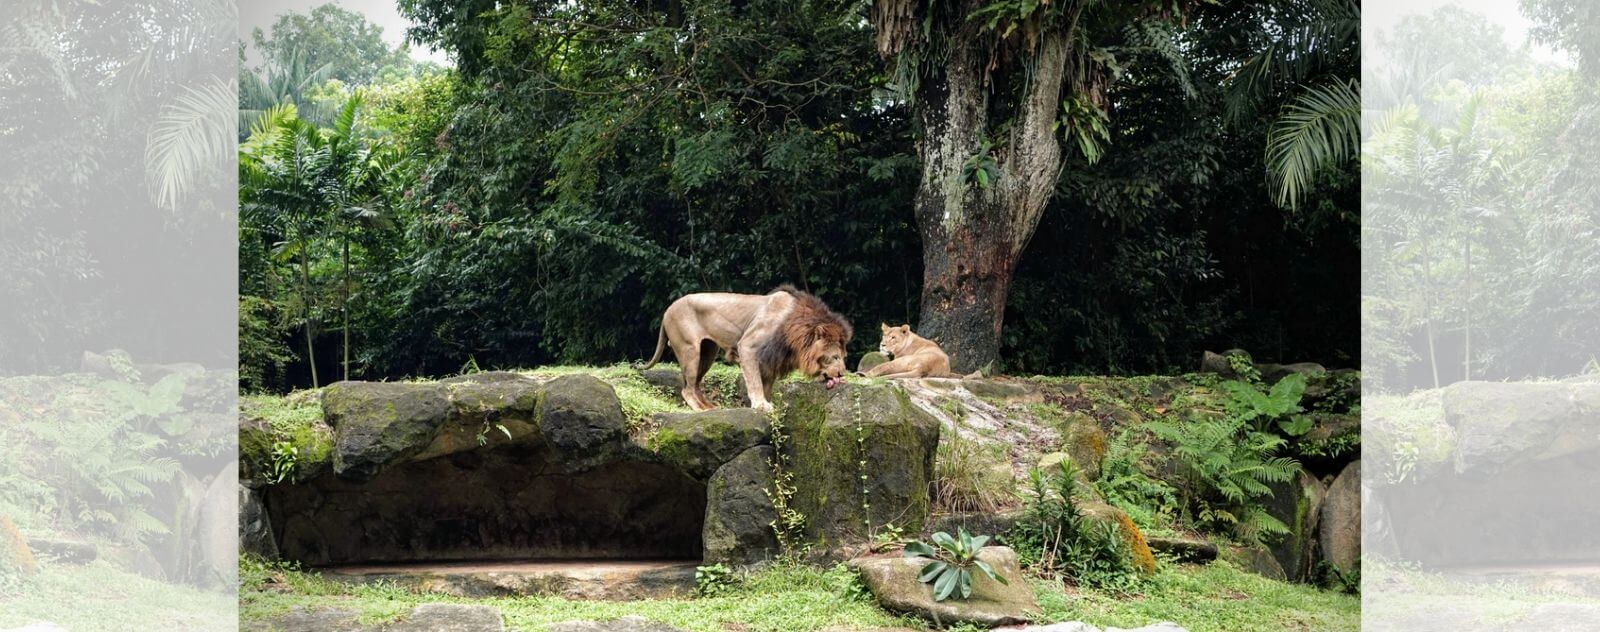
(1224, 363)
(1501, 423)
(1341, 521)
(893, 581)
(380, 423)
(217, 531)
(1298, 504)
(859, 454)
(699, 443)
(581, 419)
(739, 513)
(1272, 373)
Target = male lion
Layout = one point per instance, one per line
(914, 356)
(767, 336)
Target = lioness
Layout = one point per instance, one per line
(914, 356)
(766, 335)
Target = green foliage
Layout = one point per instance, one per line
(951, 560)
(1280, 404)
(713, 580)
(1226, 467)
(1057, 540)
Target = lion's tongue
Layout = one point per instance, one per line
(833, 381)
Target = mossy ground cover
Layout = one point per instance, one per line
(791, 598)
(99, 596)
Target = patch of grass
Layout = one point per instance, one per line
(967, 476)
(640, 400)
(1217, 597)
(99, 596)
(782, 598)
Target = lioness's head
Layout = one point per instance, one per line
(893, 339)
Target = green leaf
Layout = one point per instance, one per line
(989, 570)
(931, 571)
(919, 549)
(946, 584)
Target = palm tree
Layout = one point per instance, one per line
(309, 183)
(1305, 52)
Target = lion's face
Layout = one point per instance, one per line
(893, 338)
(825, 360)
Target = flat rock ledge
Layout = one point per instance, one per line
(893, 581)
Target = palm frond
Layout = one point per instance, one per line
(194, 135)
(1319, 128)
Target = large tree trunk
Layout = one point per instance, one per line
(972, 236)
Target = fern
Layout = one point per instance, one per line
(1228, 468)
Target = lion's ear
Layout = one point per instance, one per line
(905, 328)
(883, 326)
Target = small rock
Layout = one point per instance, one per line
(666, 379)
(1256, 559)
(872, 359)
(1272, 373)
(1220, 364)
(449, 617)
(893, 581)
(1183, 549)
(255, 526)
(625, 624)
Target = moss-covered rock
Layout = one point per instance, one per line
(1084, 441)
(853, 469)
(282, 437)
(1501, 423)
(1298, 504)
(16, 559)
(1138, 548)
(871, 360)
(699, 443)
(380, 423)
(1184, 549)
(739, 512)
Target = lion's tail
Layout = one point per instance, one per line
(661, 345)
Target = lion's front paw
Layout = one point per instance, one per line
(762, 407)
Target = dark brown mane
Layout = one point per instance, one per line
(808, 322)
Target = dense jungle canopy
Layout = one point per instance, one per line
(583, 164)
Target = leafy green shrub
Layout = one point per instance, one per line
(1226, 468)
(1057, 540)
(966, 477)
(951, 560)
(713, 580)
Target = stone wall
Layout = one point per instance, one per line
(500, 466)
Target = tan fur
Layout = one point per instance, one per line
(914, 356)
(766, 335)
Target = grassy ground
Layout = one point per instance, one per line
(99, 596)
(1215, 598)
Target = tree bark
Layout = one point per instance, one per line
(973, 236)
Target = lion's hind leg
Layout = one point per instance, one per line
(694, 363)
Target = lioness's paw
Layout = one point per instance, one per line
(762, 407)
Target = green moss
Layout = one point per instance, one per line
(293, 422)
